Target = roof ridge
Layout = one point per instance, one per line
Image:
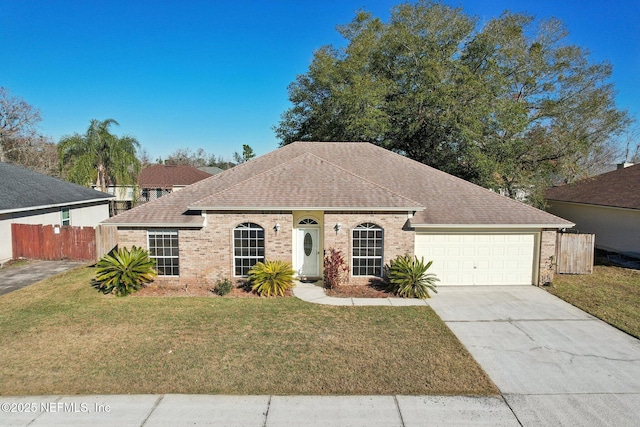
(237, 183)
(309, 154)
(198, 186)
(366, 179)
(455, 178)
(328, 142)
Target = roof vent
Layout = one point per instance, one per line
(624, 165)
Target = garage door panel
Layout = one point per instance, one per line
(479, 258)
(484, 251)
(514, 251)
(497, 264)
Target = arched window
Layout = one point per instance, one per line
(248, 247)
(368, 241)
(308, 221)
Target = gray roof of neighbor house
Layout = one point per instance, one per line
(619, 188)
(211, 169)
(23, 189)
(339, 176)
(168, 176)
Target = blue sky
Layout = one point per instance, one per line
(214, 74)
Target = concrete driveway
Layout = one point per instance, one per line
(553, 363)
(12, 278)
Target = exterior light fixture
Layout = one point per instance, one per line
(276, 227)
(337, 227)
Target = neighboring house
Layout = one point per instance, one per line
(300, 200)
(213, 170)
(124, 197)
(28, 197)
(610, 168)
(120, 192)
(156, 181)
(606, 205)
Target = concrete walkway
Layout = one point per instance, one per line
(13, 278)
(313, 292)
(553, 363)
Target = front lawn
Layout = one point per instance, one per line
(610, 293)
(61, 336)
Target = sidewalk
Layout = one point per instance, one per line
(258, 411)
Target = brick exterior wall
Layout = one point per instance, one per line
(206, 254)
(398, 239)
(217, 236)
(547, 256)
(128, 237)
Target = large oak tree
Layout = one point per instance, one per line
(509, 105)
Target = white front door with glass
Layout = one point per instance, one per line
(308, 252)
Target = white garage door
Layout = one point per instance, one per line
(479, 258)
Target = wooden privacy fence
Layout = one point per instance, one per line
(53, 242)
(574, 253)
(106, 239)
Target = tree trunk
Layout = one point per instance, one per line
(102, 179)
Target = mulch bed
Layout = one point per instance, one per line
(161, 290)
(166, 290)
(357, 292)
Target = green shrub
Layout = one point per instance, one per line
(408, 277)
(223, 287)
(122, 272)
(271, 277)
(336, 270)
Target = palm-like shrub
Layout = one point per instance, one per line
(408, 277)
(271, 277)
(122, 272)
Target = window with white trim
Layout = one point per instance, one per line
(368, 241)
(163, 247)
(65, 216)
(248, 247)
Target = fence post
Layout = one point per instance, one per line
(106, 239)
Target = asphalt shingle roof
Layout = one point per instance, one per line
(166, 176)
(336, 176)
(327, 178)
(619, 188)
(23, 189)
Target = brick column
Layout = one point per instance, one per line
(547, 256)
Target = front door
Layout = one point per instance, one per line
(308, 252)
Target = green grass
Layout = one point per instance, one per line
(60, 336)
(610, 293)
(14, 263)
